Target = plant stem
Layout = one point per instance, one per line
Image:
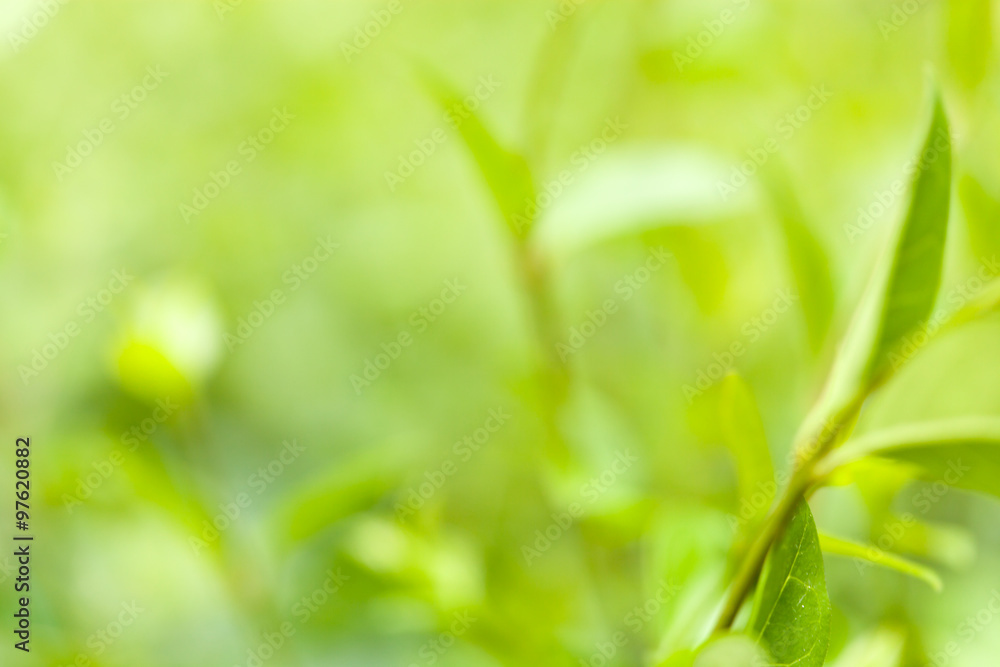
(809, 453)
(554, 376)
(750, 569)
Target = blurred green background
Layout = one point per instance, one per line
(298, 397)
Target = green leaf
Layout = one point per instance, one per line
(732, 650)
(915, 274)
(970, 39)
(683, 658)
(506, 172)
(688, 548)
(882, 648)
(947, 545)
(809, 264)
(630, 192)
(701, 261)
(984, 303)
(337, 493)
(962, 452)
(981, 210)
(879, 482)
(901, 296)
(546, 88)
(877, 556)
(743, 433)
(791, 614)
(729, 650)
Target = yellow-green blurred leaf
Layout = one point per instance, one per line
(743, 433)
(506, 172)
(970, 39)
(807, 260)
(841, 547)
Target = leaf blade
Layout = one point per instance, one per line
(743, 433)
(915, 274)
(970, 40)
(902, 292)
(732, 650)
(808, 262)
(848, 549)
(506, 172)
(981, 210)
(791, 616)
(964, 452)
(632, 191)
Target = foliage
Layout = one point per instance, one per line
(630, 333)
